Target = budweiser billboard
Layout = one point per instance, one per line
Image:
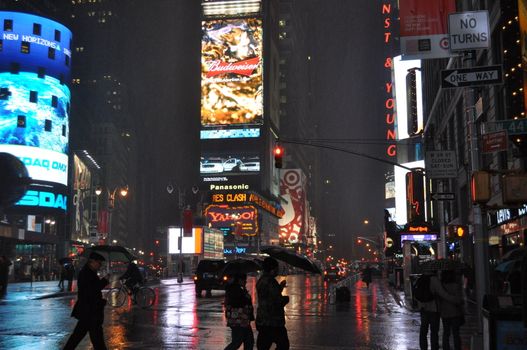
(424, 28)
(231, 78)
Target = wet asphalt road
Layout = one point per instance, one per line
(373, 320)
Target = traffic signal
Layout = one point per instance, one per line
(457, 231)
(278, 155)
(480, 186)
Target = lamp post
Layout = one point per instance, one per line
(123, 192)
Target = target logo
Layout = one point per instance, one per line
(444, 43)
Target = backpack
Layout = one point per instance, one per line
(421, 290)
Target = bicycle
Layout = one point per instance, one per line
(144, 296)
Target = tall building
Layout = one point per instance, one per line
(240, 121)
(101, 121)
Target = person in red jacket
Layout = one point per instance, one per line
(89, 308)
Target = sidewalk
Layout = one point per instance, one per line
(36, 290)
(468, 330)
(49, 289)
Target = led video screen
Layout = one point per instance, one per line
(234, 164)
(231, 78)
(35, 65)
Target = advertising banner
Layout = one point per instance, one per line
(81, 199)
(212, 243)
(242, 220)
(34, 94)
(190, 245)
(231, 78)
(292, 189)
(43, 199)
(424, 28)
(522, 14)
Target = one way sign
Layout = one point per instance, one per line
(488, 75)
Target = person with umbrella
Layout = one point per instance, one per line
(366, 276)
(239, 313)
(270, 316)
(89, 308)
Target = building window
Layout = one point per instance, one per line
(51, 53)
(25, 47)
(67, 60)
(64, 130)
(33, 96)
(57, 35)
(37, 29)
(4, 93)
(14, 68)
(54, 101)
(8, 25)
(21, 121)
(41, 72)
(47, 125)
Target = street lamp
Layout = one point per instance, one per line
(123, 192)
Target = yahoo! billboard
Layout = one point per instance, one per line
(35, 61)
(231, 78)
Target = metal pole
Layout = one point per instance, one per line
(181, 206)
(481, 260)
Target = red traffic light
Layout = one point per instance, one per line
(278, 154)
(157, 242)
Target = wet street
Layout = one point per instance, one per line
(374, 319)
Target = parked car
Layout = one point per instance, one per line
(209, 276)
(210, 167)
(251, 165)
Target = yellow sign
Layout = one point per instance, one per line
(389, 242)
(229, 197)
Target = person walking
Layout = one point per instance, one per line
(4, 273)
(70, 273)
(239, 313)
(63, 273)
(429, 311)
(366, 276)
(270, 316)
(89, 308)
(452, 314)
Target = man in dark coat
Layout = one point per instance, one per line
(270, 316)
(4, 273)
(89, 308)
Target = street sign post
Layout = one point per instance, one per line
(443, 196)
(463, 77)
(440, 164)
(469, 30)
(512, 126)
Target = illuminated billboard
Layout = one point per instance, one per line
(35, 63)
(240, 220)
(191, 245)
(293, 190)
(82, 180)
(231, 78)
(230, 165)
(401, 190)
(408, 97)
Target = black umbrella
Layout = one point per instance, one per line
(111, 253)
(239, 266)
(65, 260)
(291, 258)
(515, 254)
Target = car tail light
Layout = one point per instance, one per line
(225, 278)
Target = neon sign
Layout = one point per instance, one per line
(242, 219)
(389, 102)
(44, 199)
